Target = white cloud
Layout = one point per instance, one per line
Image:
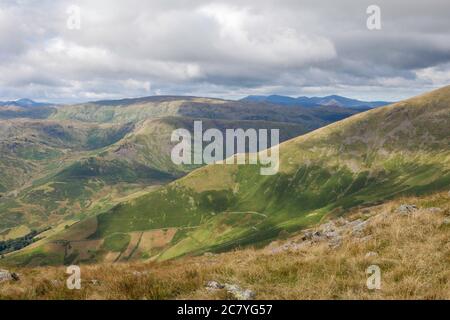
(258, 38)
(435, 75)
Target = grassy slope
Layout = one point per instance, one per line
(397, 150)
(412, 252)
(36, 158)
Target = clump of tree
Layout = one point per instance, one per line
(11, 245)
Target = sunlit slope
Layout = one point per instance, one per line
(26, 145)
(56, 170)
(395, 150)
(33, 154)
(400, 149)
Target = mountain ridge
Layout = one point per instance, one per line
(331, 100)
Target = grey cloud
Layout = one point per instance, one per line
(226, 49)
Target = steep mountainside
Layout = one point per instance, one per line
(401, 149)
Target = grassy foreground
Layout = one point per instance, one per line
(412, 251)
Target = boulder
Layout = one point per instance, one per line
(233, 289)
(5, 275)
(239, 293)
(405, 209)
(318, 236)
(307, 236)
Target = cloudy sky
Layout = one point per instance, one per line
(225, 49)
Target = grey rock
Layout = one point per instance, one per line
(239, 293)
(214, 285)
(331, 234)
(318, 236)
(405, 209)
(371, 254)
(5, 275)
(233, 289)
(307, 235)
(328, 227)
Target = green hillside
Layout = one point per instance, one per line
(69, 162)
(402, 149)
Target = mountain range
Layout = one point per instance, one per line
(117, 197)
(332, 100)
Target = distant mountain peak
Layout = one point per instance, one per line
(331, 100)
(24, 103)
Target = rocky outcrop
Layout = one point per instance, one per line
(335, 231)
(406, 209)
(331, 232)
(236, 291)
(5, 275)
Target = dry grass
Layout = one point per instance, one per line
(413, 254)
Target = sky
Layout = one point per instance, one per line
(83, 50)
